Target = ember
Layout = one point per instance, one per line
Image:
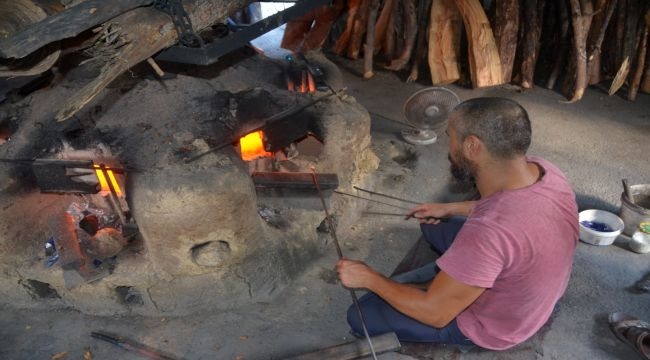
(102, 173)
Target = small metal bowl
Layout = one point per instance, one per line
(640, 242)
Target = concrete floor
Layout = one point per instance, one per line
(597, 142)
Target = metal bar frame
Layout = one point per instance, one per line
(210, 53)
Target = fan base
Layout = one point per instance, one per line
(419, 137)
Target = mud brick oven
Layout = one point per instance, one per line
(208, 235)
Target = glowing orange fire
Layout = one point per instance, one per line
(252, 146)
(306, 83)
(103, 182)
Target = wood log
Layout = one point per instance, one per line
(296, 30)
(146, 31)
(344, 39)
(639, 65)
(383, 21)
(410, 33)
(445, 28)
(369, 47)
(505, 24)
(532, 30)
(65, 24)
(358, 30)
(562, 48)
(323, 20)
(599, 25)
(581, 15)
(484, 62)
(424, 8)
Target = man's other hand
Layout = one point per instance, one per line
(355, 274)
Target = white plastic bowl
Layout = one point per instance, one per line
(594, 237)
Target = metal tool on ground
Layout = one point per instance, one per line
(340, 253)
(628, 191)
(133, 346)
(428, 110)
(353, 350)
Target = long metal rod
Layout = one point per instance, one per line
(340, 253)
(387, 196)
(372, 200)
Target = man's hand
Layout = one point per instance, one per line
(355, 274)
(432, 213)
(428, 213)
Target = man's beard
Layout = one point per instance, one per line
(462, 170)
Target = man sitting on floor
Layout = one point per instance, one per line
(506, 258)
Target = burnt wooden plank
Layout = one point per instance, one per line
(354, 350)
(291, 180)
(68, 23)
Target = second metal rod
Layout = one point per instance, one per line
(355, 300)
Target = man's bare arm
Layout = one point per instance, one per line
(437, 306)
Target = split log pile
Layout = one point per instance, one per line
(559, 44)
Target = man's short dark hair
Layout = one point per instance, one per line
(501, 124)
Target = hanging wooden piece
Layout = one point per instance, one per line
(642, 48)
(599, 25)
(383, 21)
(620, 77)
(562, 48)
(359, 30)
(506, 27)
(324, 19)
(445, 26)
(410, 33)
(484, 62)
(529, 46)
(581, 15)
(645, 81)
(389, 44)
(369, 47)
(344, 39)
(295, 31)
(424, 7)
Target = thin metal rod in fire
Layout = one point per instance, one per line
(355, 300)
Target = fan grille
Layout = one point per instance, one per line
(429, 108)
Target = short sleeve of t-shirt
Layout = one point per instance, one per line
(482, 261)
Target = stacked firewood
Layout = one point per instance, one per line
(559, 44)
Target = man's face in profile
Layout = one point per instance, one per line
(462, 169)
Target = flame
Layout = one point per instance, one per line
(303, 83)
(103, 182)
(252, 146)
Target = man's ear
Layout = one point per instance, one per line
(471, 146)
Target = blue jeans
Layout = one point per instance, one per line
(381, 318)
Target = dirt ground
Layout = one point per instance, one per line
(597, 142)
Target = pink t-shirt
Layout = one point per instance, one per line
(519, 245)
